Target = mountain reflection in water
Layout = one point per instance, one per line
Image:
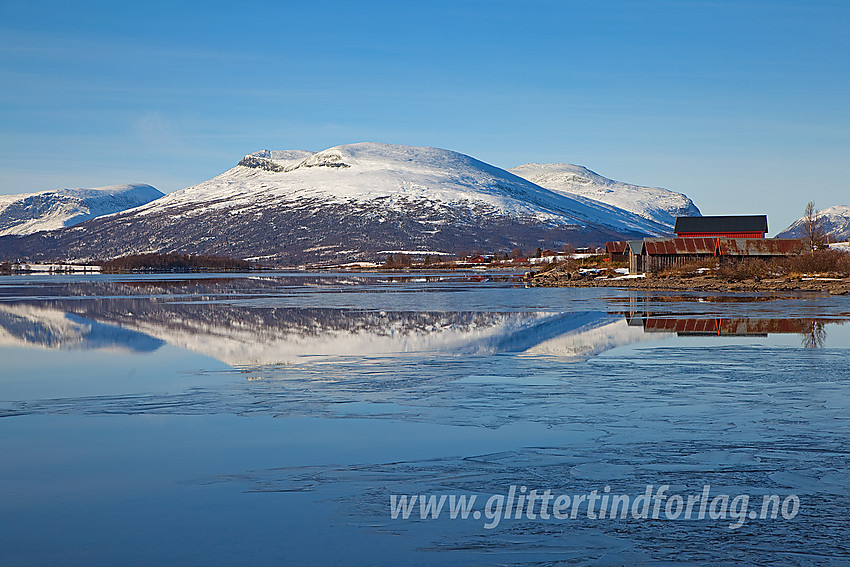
(30, 325)
(240, 335)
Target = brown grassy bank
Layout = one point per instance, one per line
(825, 271)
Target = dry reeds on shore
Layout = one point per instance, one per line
(824, 263)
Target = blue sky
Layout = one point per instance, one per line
(742, 105)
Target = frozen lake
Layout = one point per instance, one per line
(278, 419)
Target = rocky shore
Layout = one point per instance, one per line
(814, 283)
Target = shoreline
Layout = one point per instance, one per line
(832, 286)
(698, 283)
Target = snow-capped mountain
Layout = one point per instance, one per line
(653, 203)
(50, 210)
(835, 221)
(347, 203)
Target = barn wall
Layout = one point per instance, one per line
(636, 263)
(659, 262)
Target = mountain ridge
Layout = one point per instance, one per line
(28, 213)
(654, 203)
(836, 224)
(347, 203)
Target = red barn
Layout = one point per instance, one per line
(749, 226)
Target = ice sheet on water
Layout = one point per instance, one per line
(360, 493)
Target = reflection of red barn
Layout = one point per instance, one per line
(722, 326)
(742, 226)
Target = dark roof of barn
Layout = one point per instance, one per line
(748, 223)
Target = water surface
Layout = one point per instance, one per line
(267, 419)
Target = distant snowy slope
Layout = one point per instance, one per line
(50, 210)
(836, 224)
(653, 203)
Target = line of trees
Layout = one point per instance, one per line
(174, 262)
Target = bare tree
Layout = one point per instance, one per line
(813, 229)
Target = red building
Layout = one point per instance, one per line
(749, 226)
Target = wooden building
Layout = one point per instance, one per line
(617, 251)
(726, 238)
(634, 250)
(657, 254)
